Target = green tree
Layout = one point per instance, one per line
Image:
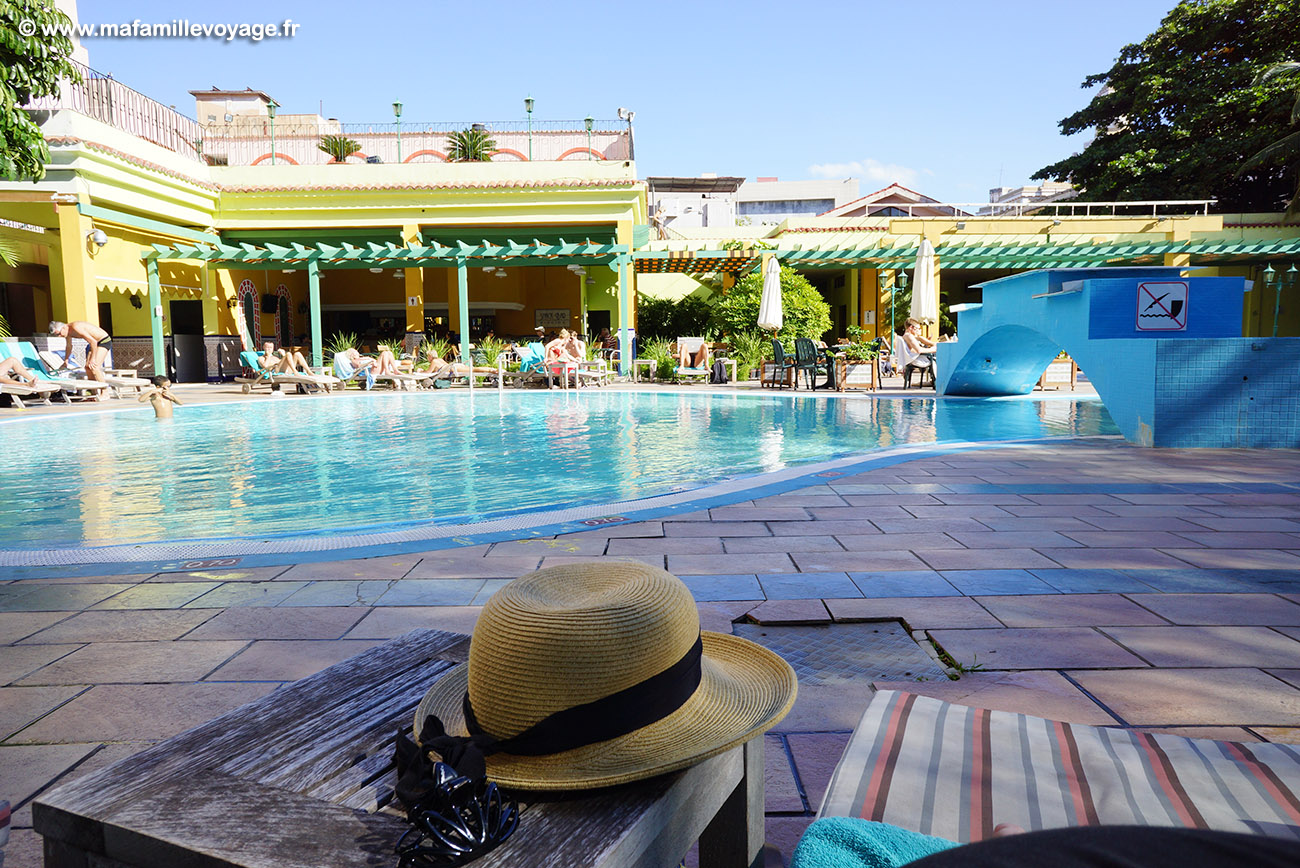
(30, 67)
(339, 147)
(1181, 111)
(1287, 146)
(470, 146)
(805, 314)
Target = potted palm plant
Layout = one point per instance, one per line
(339, 147)
(471, 145)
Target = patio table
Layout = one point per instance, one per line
(304, 777)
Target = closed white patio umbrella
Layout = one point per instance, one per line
(769, 305)
(925, 296)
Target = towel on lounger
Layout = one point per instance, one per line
(844, 842)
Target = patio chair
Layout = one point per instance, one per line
(783, 367)
(69, 384)
(808, 360)
(260, 376)
(532, 366)
(688, 347)
(1046, 774)
(906, 359)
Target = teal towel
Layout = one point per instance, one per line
(844, 842)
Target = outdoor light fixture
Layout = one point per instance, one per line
(588, 122)
(1056, 222)
(232, 303)
(397, 113)
(97, 237)
(1270, 276)
(626, 114)
(488, 269)
(580, 271)
(270, 113)
(136, 302)
(528, 107)
(376, 271)
(501, 273)
(961, 225)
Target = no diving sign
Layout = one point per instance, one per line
(1162, 306)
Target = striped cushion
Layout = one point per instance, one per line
(956, 772)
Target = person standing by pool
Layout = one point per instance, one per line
(97, 340)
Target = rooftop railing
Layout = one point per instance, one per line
(101, 97)
(1065, 208)
(247, 141)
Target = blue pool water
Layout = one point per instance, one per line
(319, 465)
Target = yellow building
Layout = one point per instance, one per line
(189, 242)
(186, 262)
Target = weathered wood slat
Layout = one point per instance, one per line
(207, 747)
(243, 791)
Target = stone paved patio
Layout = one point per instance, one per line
(1091, 582)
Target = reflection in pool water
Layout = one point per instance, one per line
(323, 465)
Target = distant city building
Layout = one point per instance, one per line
(771, 201)
(893, 201)
(678, 204)
(1048, 191)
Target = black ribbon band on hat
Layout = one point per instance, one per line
(609, 717)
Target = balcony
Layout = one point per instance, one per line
(247, 140)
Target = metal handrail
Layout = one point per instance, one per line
(103, 98)
(1076, 208)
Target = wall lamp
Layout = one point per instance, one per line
(961, 225)
(136, 302)
(232, 303)
(1056, 222)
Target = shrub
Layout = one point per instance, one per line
(339, 147)
(804, 312)
(666, 319)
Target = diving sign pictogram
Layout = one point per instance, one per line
(1162, 306)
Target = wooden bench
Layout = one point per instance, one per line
(304, 777)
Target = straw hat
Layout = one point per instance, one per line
(571, 635)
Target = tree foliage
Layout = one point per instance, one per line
(30, 67)
(339, 147)
(470, 146)
(666, 319)
(1287, 147)
(1182, 110)
(804, 312)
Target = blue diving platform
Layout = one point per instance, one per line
(1164, 351)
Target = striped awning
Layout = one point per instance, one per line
(735, 262)
(389, 254)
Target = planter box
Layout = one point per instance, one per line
(1061, 372)
(860, 375)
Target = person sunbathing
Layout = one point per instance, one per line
(13, 373)
(360, 363)
(283, 361)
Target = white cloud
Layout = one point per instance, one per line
(869, 170)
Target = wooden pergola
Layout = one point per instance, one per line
(460, 255)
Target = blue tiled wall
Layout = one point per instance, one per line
(1228, 392)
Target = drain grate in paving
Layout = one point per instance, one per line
(829, 654)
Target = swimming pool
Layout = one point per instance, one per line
(330, 465)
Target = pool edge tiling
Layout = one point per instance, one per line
(76, 561)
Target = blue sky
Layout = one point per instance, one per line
(950, 98)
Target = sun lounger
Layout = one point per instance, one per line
(532, 367)
(347, 372)
(686, 347)
(272, 378)
(70, 384)
(117, 379)
(41, 392)
(955, 772)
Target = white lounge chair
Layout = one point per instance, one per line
(272, 378)
(68, 384)
(117, 379)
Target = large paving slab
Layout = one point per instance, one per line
(287, 660)
(1172, 647)
(20, 706)
(122, 626)
(1073, 610)
(136, 712)
(313, 622)
(1034, 648)
(1268, 610)
(918, 613)
(1041, 694)
(1180, 697)
(138, 662)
